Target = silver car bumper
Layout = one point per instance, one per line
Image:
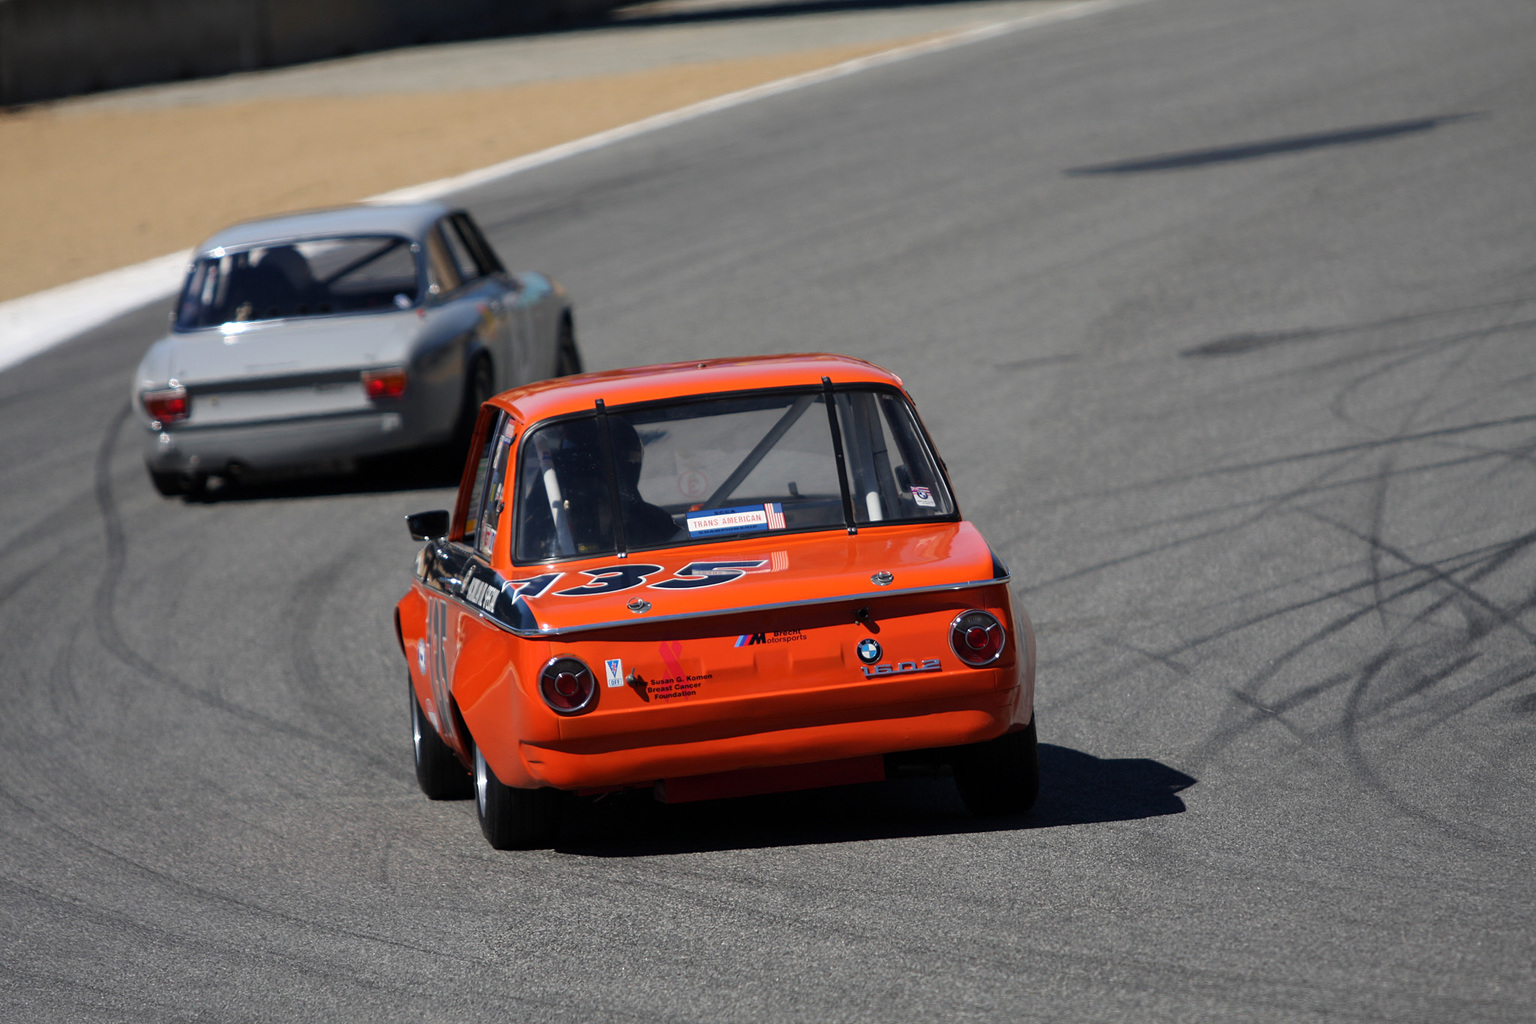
(285, 444)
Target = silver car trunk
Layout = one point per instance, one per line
(282, 369)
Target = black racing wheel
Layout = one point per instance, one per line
(438, 770)
(478, 386)
(168, 484)
(567, 358)
(1000, 776)
(514, 819)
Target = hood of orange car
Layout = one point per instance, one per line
(740, 575)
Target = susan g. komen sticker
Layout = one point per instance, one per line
(923, 496)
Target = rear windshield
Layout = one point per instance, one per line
(319, 277)
(724, 467)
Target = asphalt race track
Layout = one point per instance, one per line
(1223, 313)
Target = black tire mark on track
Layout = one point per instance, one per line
(58, 525)
(105, 619)
(1403, 680)
(1295, 458)
(1504, 615)
(173, 883)
(320, 701)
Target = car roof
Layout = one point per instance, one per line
(409, 219)
(580, 393)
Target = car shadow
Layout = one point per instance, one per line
(1262, 148)
(1075, 789)
(415, 471)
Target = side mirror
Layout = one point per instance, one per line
(428, 525)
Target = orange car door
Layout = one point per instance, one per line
(472, 587)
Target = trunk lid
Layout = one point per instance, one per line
(289, 348)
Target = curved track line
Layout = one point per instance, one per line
(110, 633)
(35, 323)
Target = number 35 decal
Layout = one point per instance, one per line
(610, 579)
(708, 574)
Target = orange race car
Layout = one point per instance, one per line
(713, 579)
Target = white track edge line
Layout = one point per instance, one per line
(34, 323)
(565, 150)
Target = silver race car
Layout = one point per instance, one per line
(321, 338)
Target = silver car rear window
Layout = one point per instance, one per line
(315, 277)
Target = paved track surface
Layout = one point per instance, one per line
(1222, 312)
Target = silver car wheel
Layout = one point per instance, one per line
(482, 782)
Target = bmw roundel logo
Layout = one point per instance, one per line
(869, 651)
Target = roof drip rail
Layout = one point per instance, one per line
(615, 502)
(837, 450)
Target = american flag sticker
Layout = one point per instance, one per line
(775, 515)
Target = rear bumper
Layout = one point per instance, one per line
(898, 729)
(282, 444)
(697, 696)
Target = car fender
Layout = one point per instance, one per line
(1024, 709)
(154, 371)
(500, 709)
(411, 630)
(545, 303)
(440, 365)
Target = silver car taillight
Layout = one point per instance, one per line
(166, 405)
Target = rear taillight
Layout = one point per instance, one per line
(166, 405)
(568, 686)
(388, 383)
(977, 638)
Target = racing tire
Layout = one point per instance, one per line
(478, 386)
(439, 772)
(170, 485)
(567, 356)
(511, 818)
(1000, 776)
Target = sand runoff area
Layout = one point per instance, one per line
(95, 183)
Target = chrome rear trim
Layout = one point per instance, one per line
(592, 627)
